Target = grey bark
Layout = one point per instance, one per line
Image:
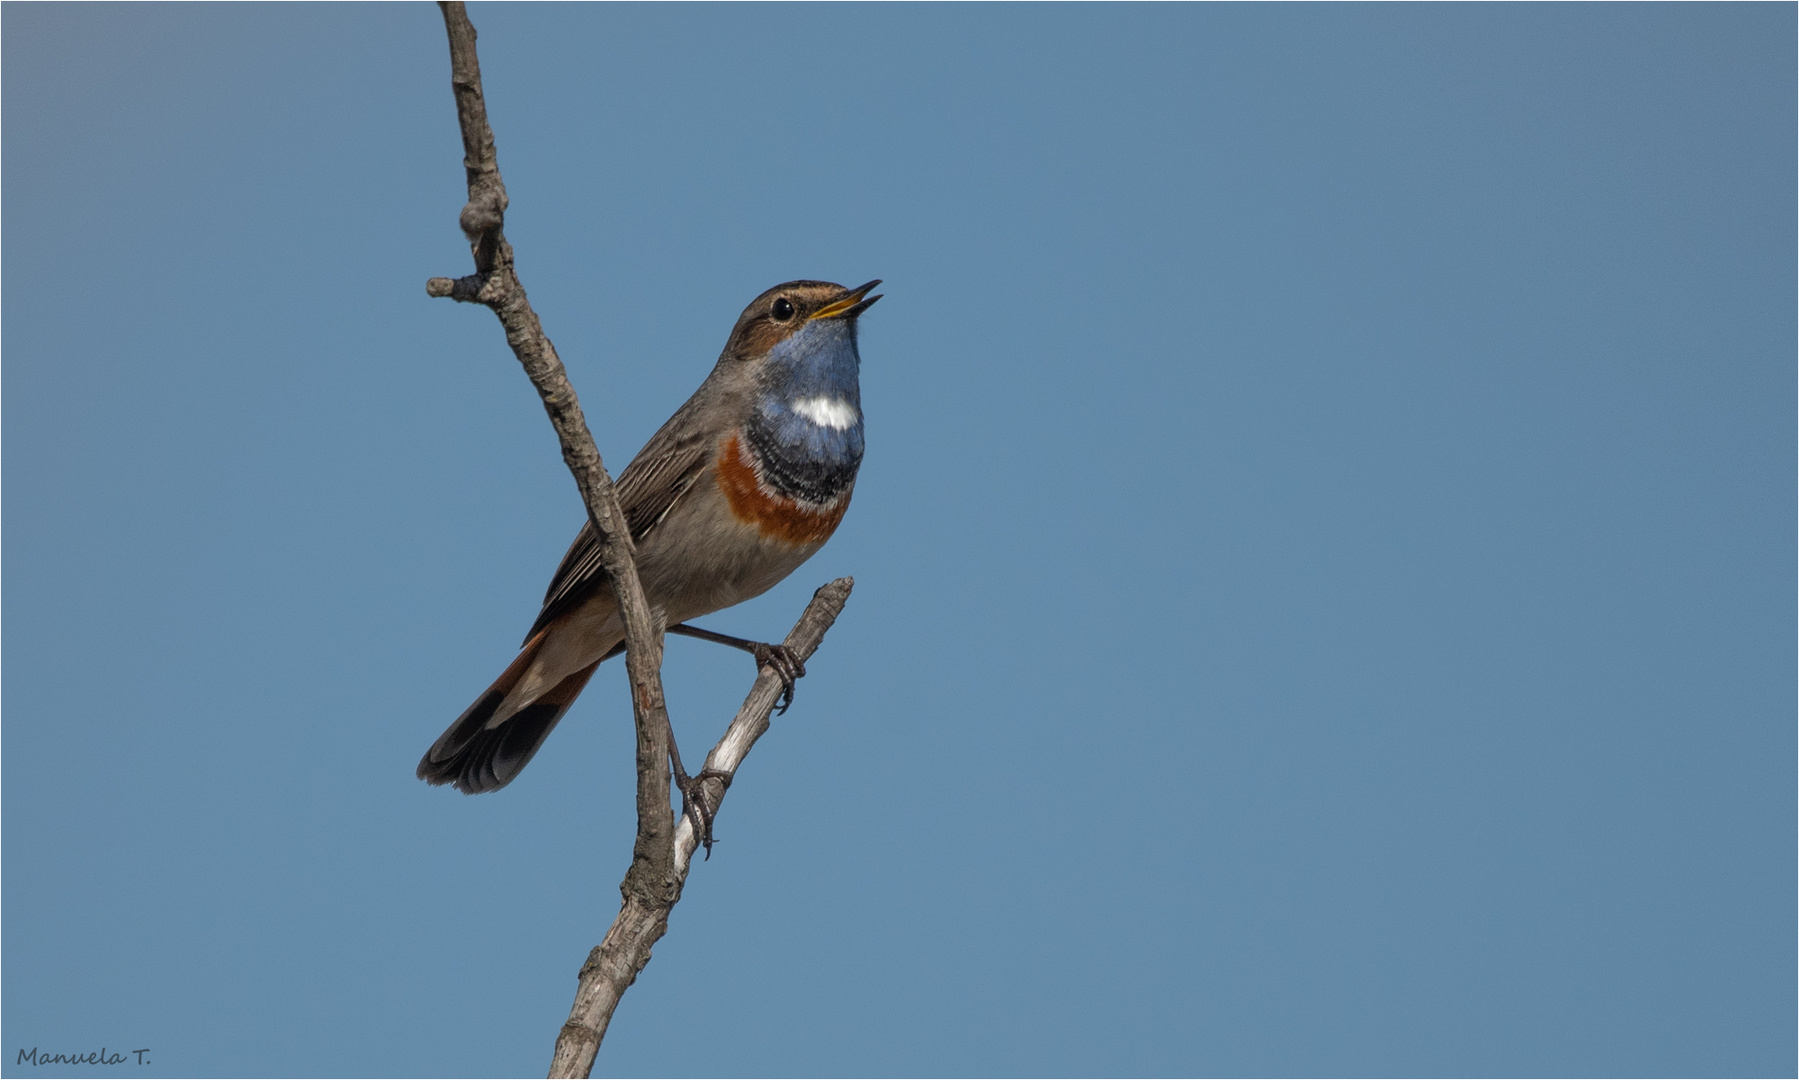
(495, 284)
(662, 853)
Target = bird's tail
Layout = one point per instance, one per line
(477, 757)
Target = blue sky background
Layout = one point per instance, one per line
(1325, 553)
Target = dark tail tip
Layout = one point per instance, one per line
(493, 756)
(477, 758)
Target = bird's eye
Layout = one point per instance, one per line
(783, 309)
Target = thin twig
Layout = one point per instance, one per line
(751, 721)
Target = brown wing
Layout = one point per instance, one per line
(647, 490)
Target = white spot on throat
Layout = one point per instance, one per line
(827, 412)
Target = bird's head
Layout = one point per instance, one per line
(799, 317)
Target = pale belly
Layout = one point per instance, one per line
(701, 558)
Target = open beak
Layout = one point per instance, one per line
(849, 305)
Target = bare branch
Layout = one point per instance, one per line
(751, 720)
(614, 963)
(495, 284)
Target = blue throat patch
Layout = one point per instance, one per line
(806, 432)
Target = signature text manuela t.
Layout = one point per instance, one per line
(93, 1057)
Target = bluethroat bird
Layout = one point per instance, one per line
(743, 484)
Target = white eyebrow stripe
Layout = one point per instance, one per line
(827, 412)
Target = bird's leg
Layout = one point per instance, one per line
(693, 794)
(693, 799)
(784, 663)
